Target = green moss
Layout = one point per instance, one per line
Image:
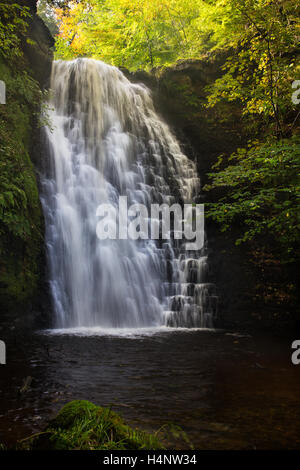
(83, 425)
(183, 90)
(21, 222)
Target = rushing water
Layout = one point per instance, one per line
(107, 141)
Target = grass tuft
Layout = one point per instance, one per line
(81, 425)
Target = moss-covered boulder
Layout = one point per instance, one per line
(85, 426)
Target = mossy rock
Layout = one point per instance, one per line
(85, 426)
(24, 68)
(21, 219)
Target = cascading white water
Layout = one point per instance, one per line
(106, 141)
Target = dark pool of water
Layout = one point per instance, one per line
(225, 391)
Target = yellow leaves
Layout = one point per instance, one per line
(71, 27)
(30, 41)
(144, 33)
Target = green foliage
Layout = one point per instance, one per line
(13, 27)
(20, 212)
(257, 189)
(46, 12)
(17, 188)
(128, 33)
(182, 89)
(259, 38)
(259, 72)
(261, 189)
(81, 425)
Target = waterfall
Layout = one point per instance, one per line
(106, 140)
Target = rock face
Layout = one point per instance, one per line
(182, 92)
(180, 95)
(22, 261)
(38, 51)
(39, 54)
(243, 283)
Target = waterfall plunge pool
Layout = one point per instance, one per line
(225, 390)
(120, 332)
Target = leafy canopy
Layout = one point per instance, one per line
(259, 38)
(259, 42)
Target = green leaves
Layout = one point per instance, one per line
(258, 37)
(262, 190)
(12, 26)
(258, 73)
(18, 192)
(131, 33)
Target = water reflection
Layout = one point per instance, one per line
(225, 391)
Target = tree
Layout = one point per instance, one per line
(263, 35)
(259, 39)
(46, 12)
(131, 33)
(261, 190)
